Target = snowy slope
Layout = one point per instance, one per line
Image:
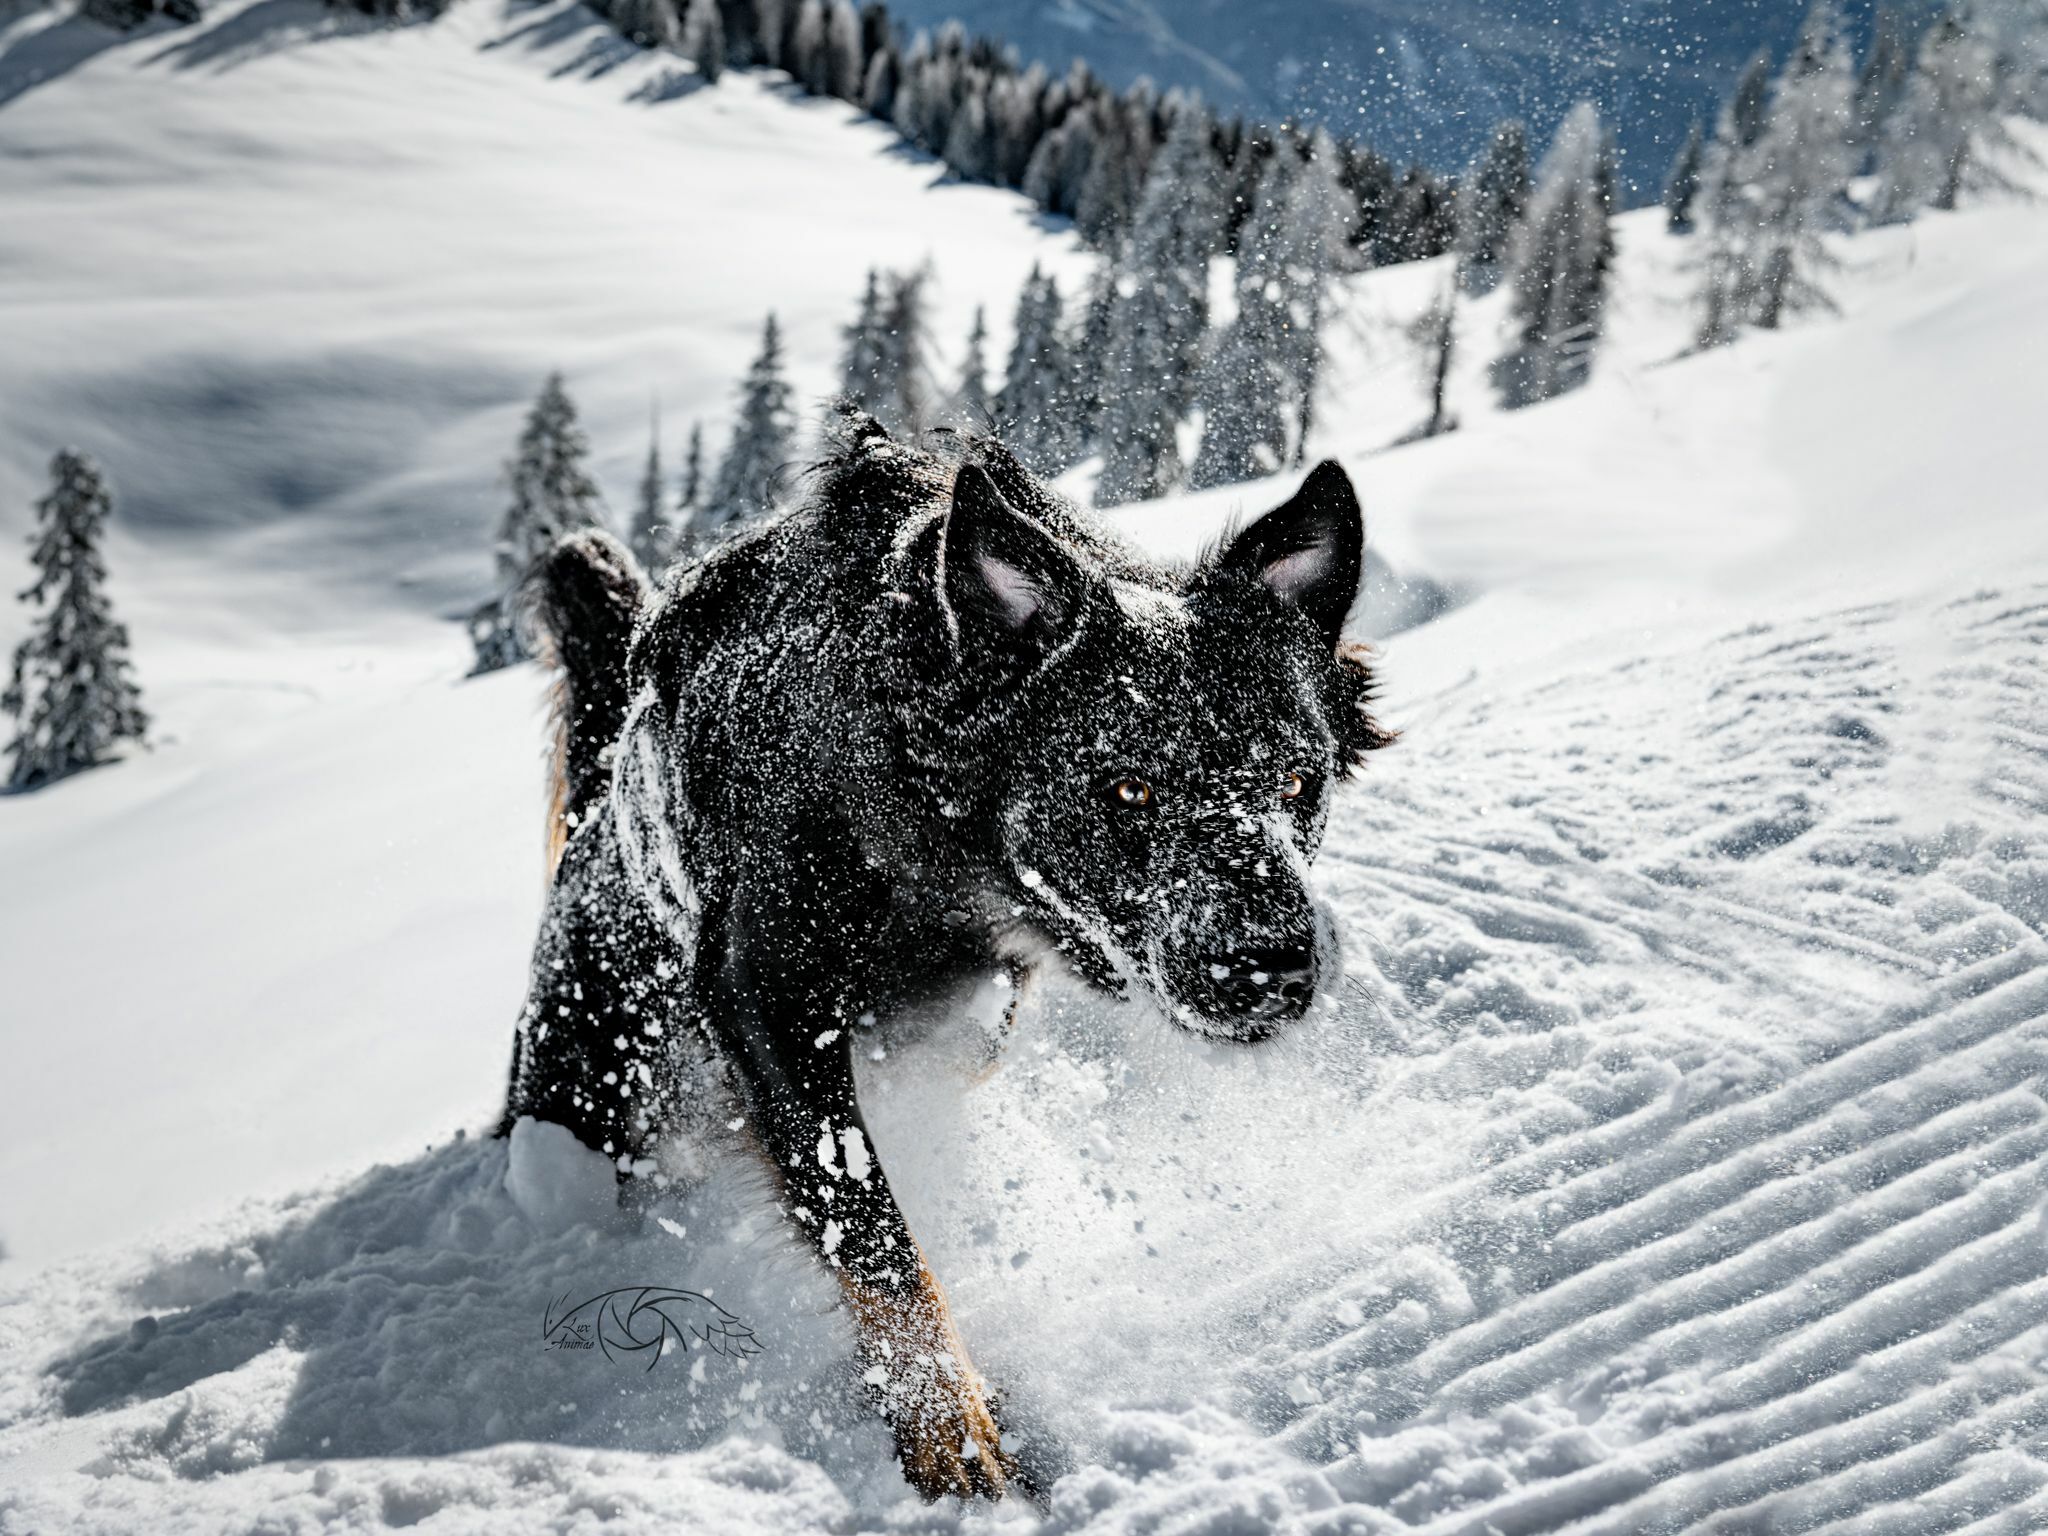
(301, 275)
(1676, 1162)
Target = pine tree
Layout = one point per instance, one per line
(1806, 155)
(1949, 130)
(970, 150)
(843, 51)
(1419, 222)
(1108, 195)
(903, 394)
(1882, 85)
(757, 31)
(878, 91)
(804, 54)
(692, 494)
(1245, 382)
(971, 401)
(763, 437)
(1489, 206)
(1682, 188)
(72, 693)
(704, 39)
(652, 536)
(552, 494)
(1315, 231)
(860, 365)
(1088, 354)
(1160, 317)
(1037, 408)
(1774, 199)
(1722, 210)
(1560, 266)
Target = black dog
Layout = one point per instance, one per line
(931, 724)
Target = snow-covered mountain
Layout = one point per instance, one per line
(1676, 1166)
(1420, 79)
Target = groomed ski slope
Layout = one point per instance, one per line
(1675, 1162)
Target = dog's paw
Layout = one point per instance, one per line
(948, 1439)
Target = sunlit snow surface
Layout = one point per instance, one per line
(1673, 1163)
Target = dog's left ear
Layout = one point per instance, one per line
(1309, 551)
(1007, 585)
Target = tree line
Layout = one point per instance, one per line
(1802, 150)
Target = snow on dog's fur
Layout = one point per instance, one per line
(932, 723)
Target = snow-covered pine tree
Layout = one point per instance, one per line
(1036, 408)
(1103, 207)
(1560, 265)
(1949, 130)
(1419, 221)
(1682, 187)
(552, 494)
(1882, 84)
(1087, 340)
(1016, 111)
(72, 693)
(1161, 315)
(1314, 234)
(652, 535)
(1246, 380)
(970, 150)
(878, 91)
(1058, 168)
(1722, 211)
(903, 395)
(972, 404)
(704, 39)
(756, 31)
(1803, 161)
(763, 438)
(803, 55)
(860, 359)
(691, 496)
(1489, 206)
(843, 51)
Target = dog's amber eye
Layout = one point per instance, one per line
(1132, 793)
(1292, 786)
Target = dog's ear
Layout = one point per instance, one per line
(1309, 551)
(1004, 581)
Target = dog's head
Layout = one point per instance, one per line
(1155, 754)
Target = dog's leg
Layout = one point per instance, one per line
(787, 1037)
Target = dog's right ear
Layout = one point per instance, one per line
(1005, 584)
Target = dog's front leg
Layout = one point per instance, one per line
(794, 1056)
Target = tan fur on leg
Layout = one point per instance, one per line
(947, 1438)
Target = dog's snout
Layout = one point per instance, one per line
(1264, 983)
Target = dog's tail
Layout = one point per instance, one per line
(587, 594)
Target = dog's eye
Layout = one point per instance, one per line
(1133, 794)
(1292, 786)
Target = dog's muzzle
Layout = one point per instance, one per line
(1255, 991)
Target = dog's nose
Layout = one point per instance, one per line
(1264, 983)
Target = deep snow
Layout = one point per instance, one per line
(1676, 1163)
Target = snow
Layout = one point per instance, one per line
(1673, 1163)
